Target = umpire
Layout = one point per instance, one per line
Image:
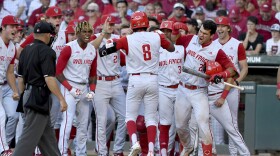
(37, 81)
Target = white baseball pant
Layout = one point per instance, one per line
(3, 143)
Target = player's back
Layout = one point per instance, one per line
(143, 52)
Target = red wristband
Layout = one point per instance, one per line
(278, 85)
(225, 94)
(66, 84)
(92, 87)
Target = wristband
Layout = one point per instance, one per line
(92, 87)
(66, 84)
(278, 85)
(225, 94)
(237, 83)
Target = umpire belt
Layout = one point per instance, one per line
(215, 93)
(191, 87)
(108, 78)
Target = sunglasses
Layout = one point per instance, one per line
(90, 10)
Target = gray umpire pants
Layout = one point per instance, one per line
(37, 130)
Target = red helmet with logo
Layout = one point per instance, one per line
(139, 20)
(166, 25)
(213, 67)
(53, 11)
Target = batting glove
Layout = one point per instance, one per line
(90, 95)
(217, 78)
(75, 92)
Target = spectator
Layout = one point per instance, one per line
(192, 4)
(158, 7)
(210, 9)
(252, 40)
(178, 14)
(199, 14)
(241, 4)
(110, 8)
(68, 15)
(273, 44)
(237, 21)
(78, 12)
(122, 18)
(62, 4)
(192, 26)
(258, 4)
(94, 16)
(134, 5)
(149, 9)
(266, 20)
(166, 6)
(221, 12)
(277, 6)
(16, 8)
(227, 4)
(153, 22)
(3, 12)
(35, 14)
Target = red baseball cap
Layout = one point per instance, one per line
(111, 19)
(70, 29)
(234, 12)
(265, 7)
(53, 11)
(10, 20)
(166, 25)
(222, 20)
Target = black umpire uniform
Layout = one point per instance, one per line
(36, 62)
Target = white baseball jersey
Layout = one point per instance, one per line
(142, 57)
(231, 50)
(7, 54)
(170, 65)
(59, 43)
(108, 65)
(195, 59)
(272, 47)
(79, 64)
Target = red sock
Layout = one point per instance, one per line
(110, 139)
(57, 133)
(73, 133)
(131, 128)
(152, 133)
(207, 149)
(164, 136)
(143, 140)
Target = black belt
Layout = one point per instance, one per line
(5, 82)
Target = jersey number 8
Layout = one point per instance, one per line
(146, 52)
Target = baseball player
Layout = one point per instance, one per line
(76, 70)
(236, 52)
(142, 61)
(170, 68)
(109, 91)
(192, 92)
(8, 88)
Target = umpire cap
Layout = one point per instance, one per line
(44, 27)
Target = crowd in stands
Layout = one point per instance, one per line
(253, 22)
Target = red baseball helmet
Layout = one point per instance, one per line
(213, 67)
(53, 11)
(222, 20)
(139, 20)
(166, 25)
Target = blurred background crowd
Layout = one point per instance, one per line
(253, 22)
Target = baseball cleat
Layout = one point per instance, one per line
(186, 152)
(7, 153)
(135, 149)
(150, 153)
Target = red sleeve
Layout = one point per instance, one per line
(32, 19)
(184, 40)
(122, 58)
(93, 67)
(224, 60)
(241, 52)
(29, 39)
(164, 42)
(122, 44)
(92, 37)
(13, 60)
(62, 60)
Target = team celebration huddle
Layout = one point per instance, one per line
(171, 91)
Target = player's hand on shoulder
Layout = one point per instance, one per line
(63, 105)
(219, 102)
(75, 92)
(90, 95)
(278, 94)
(16, 96)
